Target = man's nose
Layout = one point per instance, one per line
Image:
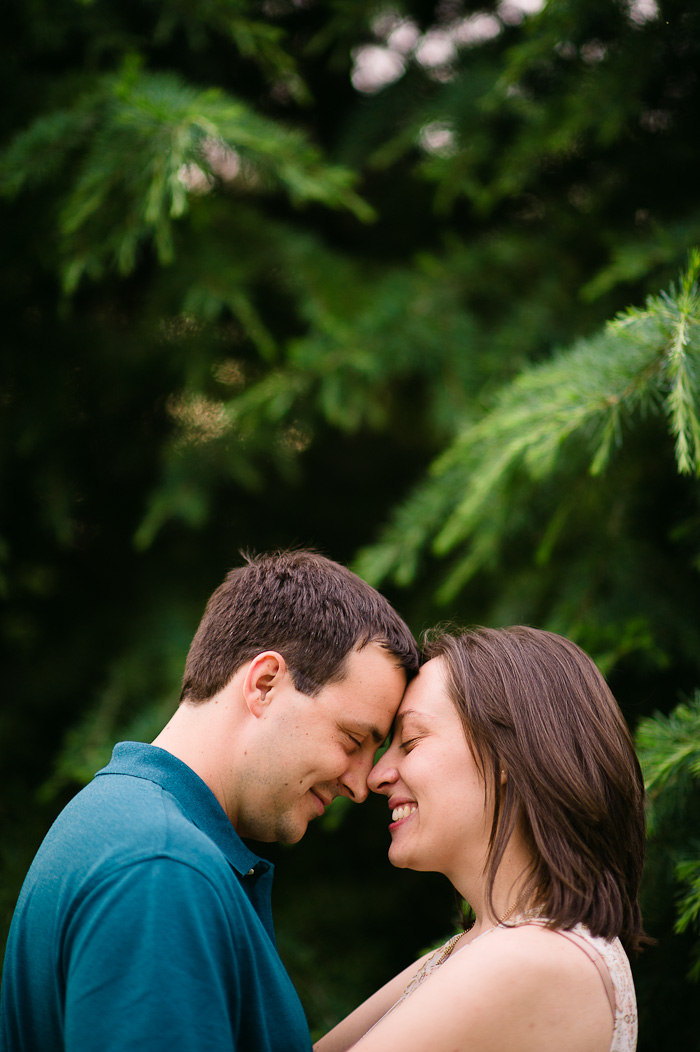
(383, 775)
(355, 778)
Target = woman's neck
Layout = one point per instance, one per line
(508, 897)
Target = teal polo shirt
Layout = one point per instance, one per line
(145, 923)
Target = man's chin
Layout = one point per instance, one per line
(292, 834)
(286, 833)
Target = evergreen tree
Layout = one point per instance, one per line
(281, 273)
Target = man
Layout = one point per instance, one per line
(144, 922)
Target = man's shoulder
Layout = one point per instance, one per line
(123, 820)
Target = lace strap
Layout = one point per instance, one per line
(596, 958)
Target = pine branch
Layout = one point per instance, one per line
(669, 747)
(688, 874)
(583, 400)
(669, 751)
(146, 144)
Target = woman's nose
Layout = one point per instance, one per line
(383, 775)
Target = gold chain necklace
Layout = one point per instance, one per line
(428, 966)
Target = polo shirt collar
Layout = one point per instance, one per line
(193, 795)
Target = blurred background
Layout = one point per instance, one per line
(414, 284)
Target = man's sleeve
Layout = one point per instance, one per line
(150, 964)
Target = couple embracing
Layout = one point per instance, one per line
(145, 924)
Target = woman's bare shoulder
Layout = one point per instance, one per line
(542, 952)
(523, 988)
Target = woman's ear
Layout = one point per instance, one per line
(264, 674)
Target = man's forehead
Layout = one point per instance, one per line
(371, 691)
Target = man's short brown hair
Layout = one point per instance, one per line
(311, 610)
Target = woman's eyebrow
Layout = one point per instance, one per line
(422, 718)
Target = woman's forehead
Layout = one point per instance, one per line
(427, 696)
(430, 680)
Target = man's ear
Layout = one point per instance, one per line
(265, 672)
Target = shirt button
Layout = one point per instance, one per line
(250, 873)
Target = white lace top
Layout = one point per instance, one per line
(604, 954)
(625, 1033)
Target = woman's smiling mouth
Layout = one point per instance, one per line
(402, 811)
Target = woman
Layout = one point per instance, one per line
(511, 770)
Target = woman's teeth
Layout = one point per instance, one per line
(403, 812)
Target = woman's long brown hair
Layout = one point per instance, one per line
(534, 705)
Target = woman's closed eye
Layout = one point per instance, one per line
(408, 743)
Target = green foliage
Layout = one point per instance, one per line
(544, 426)
(669, 750)
(688, 873)
(209, 346)
(367, 334)
(253, 38)
(142, 139)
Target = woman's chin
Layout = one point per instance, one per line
(420, 862)
(403, 859)
(397, 857)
